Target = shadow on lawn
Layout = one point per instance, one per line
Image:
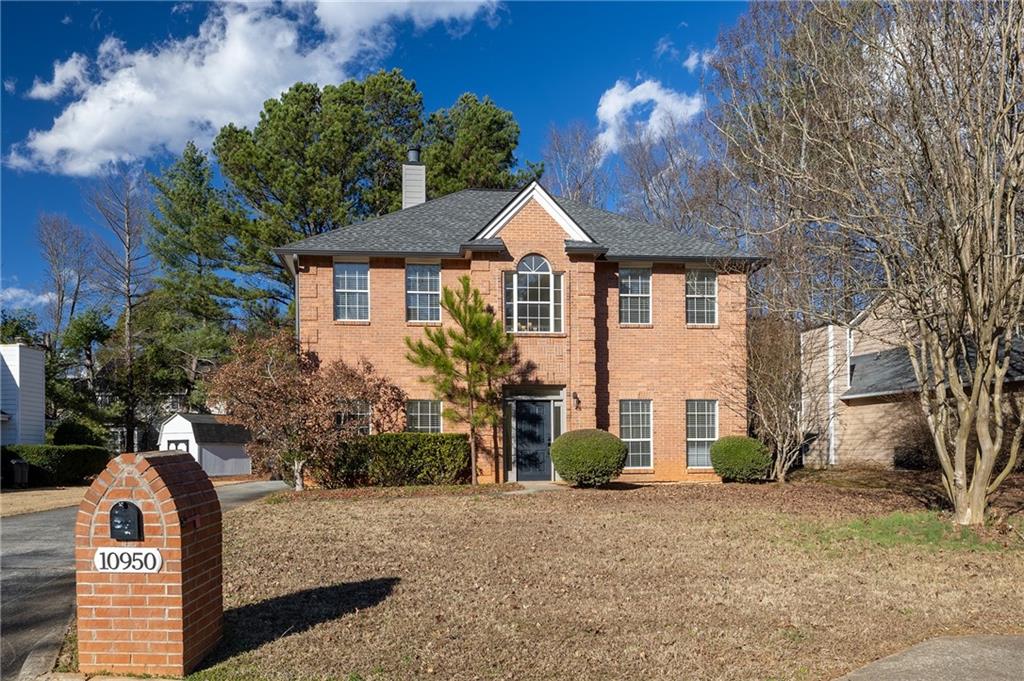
(248, 627)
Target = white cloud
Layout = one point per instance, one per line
(664, 47)
(71, 75)
(618, 103)
(66, 20)
(12, 297)
(181, 8)
(10, 85)
(131, 104)
(698, 59)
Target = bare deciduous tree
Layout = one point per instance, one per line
(125, 270)
(69, 261)
(897, 133)
(575, 160)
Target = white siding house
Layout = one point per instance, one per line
(217, 444)
(22, 394)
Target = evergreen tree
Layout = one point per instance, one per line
(190, 308)
(472, 145)
(323, 158)
(469, 362)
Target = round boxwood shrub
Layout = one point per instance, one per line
(588, 458)
(73, 432)
(740, 459)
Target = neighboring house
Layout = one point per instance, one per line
(860, 393)
(22, 394)
(217, 444)
(620, 324)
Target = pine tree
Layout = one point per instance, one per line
(190, 309)
(469, 360)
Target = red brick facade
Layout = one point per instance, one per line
(160, 623)
(594, 357)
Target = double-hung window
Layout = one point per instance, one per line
(423, 293)
(423, 416)
(634, 296)
(354, 417)
(701, 431)
(351, 291)
(533, 297)
(701, 297)
(635, 431)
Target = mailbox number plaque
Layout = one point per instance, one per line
(117, 559)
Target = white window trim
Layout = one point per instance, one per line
(700, 439)
(440, 287)
(651, 402)
(551, 305)
(536, 192)
(649, 295)
(369, 288)
(687, 296)
(440, 405)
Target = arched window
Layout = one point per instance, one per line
(533, 297)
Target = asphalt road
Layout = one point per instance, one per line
(37, 573)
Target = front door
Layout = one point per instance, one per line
(533, 440)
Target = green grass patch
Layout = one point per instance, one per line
(925, 529)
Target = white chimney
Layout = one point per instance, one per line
(414, 180)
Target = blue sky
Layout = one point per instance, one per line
(85, 83)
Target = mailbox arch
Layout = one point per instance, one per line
(177, 599)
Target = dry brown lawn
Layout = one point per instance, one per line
(809, 581)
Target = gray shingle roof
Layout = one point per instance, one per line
(889, 372)
(214, 428)
(446, 226)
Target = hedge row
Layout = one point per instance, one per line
(58, 464)
(394, 459)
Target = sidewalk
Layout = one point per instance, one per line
(33, 500)
(951, 658)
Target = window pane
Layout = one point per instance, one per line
(351, 291)
(354, 415)
(634, 296)
(635, 430)
(557, 298)
(423, 416)
(423, 293)
(510, 282)
(701, 431)
(701, 297)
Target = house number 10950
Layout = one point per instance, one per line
(127, 560)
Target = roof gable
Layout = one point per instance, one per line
(534, 192)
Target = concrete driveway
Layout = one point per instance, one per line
(951, 658)
(37, 574)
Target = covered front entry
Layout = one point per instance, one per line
(532, 423)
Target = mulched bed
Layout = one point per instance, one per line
(680, 582)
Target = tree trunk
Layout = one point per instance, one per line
(298, 471)
(472, 454)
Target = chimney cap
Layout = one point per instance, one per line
(414, 154)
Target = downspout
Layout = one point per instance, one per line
(295, 276)
(831, 395)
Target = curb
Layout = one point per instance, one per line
(43, 656)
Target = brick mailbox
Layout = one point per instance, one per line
(148, 567)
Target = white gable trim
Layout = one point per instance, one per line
(537, 193)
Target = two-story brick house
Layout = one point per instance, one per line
(625, 326)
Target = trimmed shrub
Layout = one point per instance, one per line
(60, 464)
(588, 458)
(740, 459)
(396, 459)
(72, 432)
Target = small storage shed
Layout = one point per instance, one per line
(217, 444)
